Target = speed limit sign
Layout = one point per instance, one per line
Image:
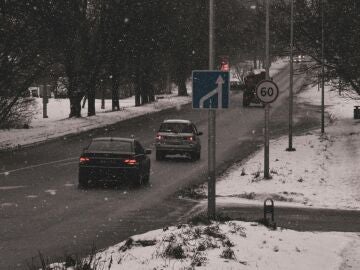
(267, 91)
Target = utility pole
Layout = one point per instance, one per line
(267, 67)
(290, 148)
(211, 123)
(322, 70)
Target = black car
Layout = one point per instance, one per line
(115, 160)
(251, 81)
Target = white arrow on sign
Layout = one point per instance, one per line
(217, 90)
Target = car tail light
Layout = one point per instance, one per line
(131, 161)
(159, 137)
(190, 138)
(84, 159)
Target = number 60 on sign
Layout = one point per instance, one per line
(267, 91)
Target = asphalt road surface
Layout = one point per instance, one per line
(41, 208)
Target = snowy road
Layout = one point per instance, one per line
(41, 208)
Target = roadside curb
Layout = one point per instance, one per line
(289, 217)
(72, 134)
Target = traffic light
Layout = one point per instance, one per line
(224, 63)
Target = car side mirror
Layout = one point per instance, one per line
(199, 133)
(147, 151)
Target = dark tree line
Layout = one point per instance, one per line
(146, 43)
(341, 20)
(142, 43)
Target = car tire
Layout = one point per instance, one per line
(246, 101)
(137, 180)
(195, 155)
(146, 178)
(159, 155)
(198, 155)
(83, 181)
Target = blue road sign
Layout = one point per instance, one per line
(210, 89)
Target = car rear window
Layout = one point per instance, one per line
(176, 128)
(110, 146)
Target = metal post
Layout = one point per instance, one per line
(290, 148)
(267, 67)
(267, 56)
(322, 70)
(211, 123)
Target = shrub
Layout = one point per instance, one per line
(174, 250)
(228, 253)
(20, 113)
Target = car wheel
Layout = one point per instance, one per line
(83, 181)
(146, 178)
(198, 155)
(195, 155)
(137, 180)
(159, 155)
(246, 101)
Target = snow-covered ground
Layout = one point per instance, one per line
(322, 172)
(229, 245)
(58, 124)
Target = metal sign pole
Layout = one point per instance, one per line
(290, 148)
(211, 123)
(267, 66)
(266, 146)
(322, 70)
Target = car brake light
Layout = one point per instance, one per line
(158, 137)
(130, 161)
(84, 159)
(191, 138)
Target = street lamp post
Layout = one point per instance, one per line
(290, 148)
(211, 123)
(267, 68)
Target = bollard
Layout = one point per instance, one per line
(356, 112)
(269, 209)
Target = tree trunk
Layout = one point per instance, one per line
(75, 96)
(151, 92)
(144, 89)
(115, 105)
(139, 84)
(181, 82)
(75, 106)
(91, 100)
(168, 84)
(137, 92)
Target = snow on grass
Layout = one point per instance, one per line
(229, 245)
(58, 124)
(322, 172)
(277, 66)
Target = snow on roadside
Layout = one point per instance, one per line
(229, 245)
(58, 124)
(277, 66)
(322, 172)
